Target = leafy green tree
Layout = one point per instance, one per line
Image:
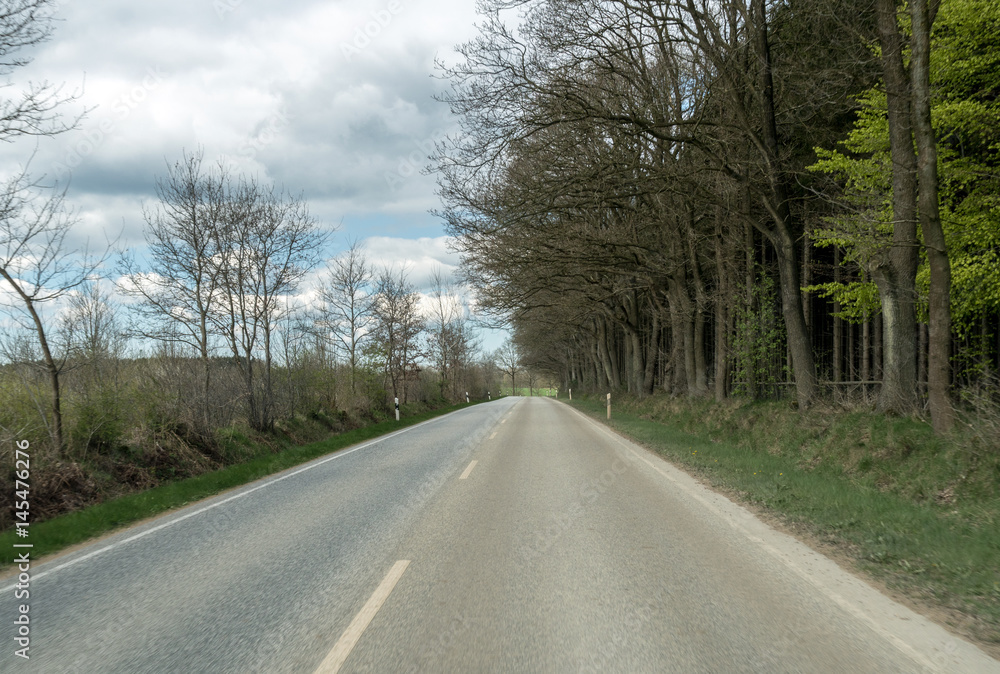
(965, 79)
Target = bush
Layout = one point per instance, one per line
(98, 423)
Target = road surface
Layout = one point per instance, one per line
(513, 536)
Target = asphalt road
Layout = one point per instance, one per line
(563, 548)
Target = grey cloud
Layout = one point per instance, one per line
(266, 85)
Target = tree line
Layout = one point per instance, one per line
(225, 319)
(736, 197)
(212, 323)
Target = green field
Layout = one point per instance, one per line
(525, 391)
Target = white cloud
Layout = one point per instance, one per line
(267, 85)
(421, 257)
(270, 87)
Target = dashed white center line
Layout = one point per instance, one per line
(468, 470)
(335, 659)
(494, 435)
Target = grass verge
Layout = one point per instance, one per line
(919, 514)
(66, 530)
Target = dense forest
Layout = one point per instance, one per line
(737, 198)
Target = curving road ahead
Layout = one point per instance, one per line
(513, 536)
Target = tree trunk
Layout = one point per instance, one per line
(700, 364)
(852, 352)
(838, 325)
(877, 348)
(939, 300)
(700, 370)
(806, 279)
(922, 360)
(652, 349)
(866, 350)
(53, 371)
(633, 329)
(682, 322)
(721, 313)
(56, 430)
(677, 379)
(689, 360)
(613, 354)
(751, 372)
(267, 396)
(638, 365)
(799, 341)
(896, 276)
(206, 381)
(253, 411)
(603, 354)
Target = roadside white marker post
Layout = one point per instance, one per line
(609, 406)
(397, 407)
(466, 396)
(571, 394)
(489, 395)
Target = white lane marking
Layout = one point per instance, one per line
(468, 470)
(494, 435)
(336, 657)
(199, 511)
(504, 420)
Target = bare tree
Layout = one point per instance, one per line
(41, 265)
(34, 112)
(265, 245)
(450, 340)
(347, 298)
(91, 336)
(304, 371)
(38, 261)
(397, 326)
(179, 282)
(670, 100)
(508, 360)
(90, 325)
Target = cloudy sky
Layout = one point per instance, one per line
(331, 99)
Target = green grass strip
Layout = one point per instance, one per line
(61, 532)
(930, 552)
